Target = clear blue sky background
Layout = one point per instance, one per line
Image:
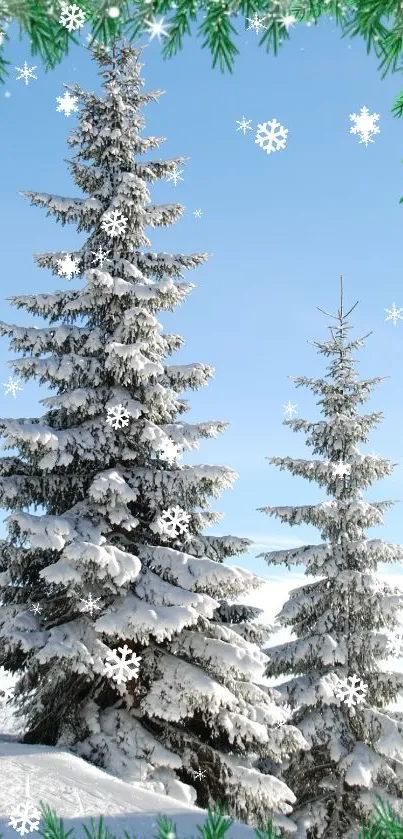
(281, 229)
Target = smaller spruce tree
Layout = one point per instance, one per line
(344, 621)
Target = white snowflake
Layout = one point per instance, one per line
(67, 103)
(11, 386)
(72, 17)
(175, 175)
(114, 223)
(26, 73)
(174, 521)
(118, 416)
(290, 409)
(341, 469)
(36, 609)
(169, 451)
(271, 136)
(156, 28)
(394, 314)
(27, 814)
(90, 605)
(197, 213)
(68, 266)
(101, 256)
(244, 125)
(119, 668)
(113, 11)
(364, 125)
(256, 22)
(348, 692)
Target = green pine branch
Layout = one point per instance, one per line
(384, 825)
(378, 22)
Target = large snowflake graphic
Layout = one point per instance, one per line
(101, 256)
(365, 125)
(27, 814)
(36, 608)
(349, 692)
(72, 17)
(175, 175)
(26, 73)
(394, 314)
(290, 409)
(257, 22)
(118, 416)
(11, 387)
(271, 136)
(119, 668)
(67, 103)
(114, 223)
(90, 605)
(67, 266)
(174, 521)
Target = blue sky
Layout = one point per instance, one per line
(281, 229)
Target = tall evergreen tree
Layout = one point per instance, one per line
(116, 613)
(344, 622)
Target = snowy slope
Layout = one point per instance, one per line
(76, 790)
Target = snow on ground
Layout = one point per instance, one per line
(75, 790)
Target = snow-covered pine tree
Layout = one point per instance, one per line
(344, 622)
(116, 613)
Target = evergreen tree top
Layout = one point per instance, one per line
(114, 601)
(345, 623)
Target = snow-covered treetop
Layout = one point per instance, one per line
(344, 623)
(343, 471)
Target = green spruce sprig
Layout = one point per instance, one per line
(53, 827)
(386, 825)
(216, 825)
(379, 22)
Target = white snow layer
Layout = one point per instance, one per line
(77, 791)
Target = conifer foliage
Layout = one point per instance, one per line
(345, 622)
(116, 613)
